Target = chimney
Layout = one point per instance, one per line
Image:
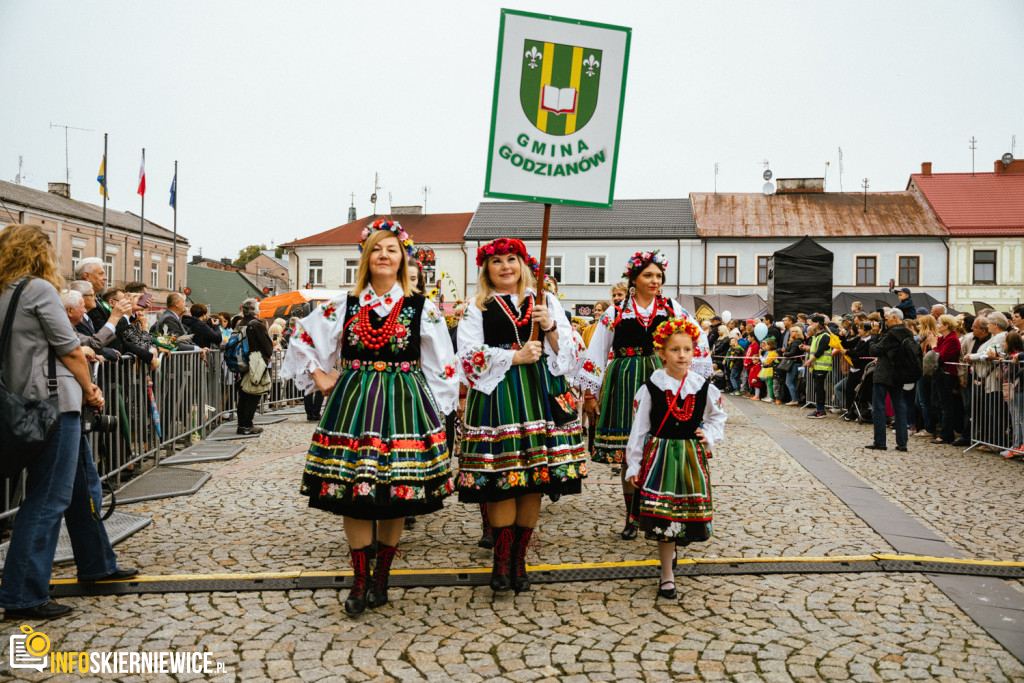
(227, 261)
(926, 168)
(406, 210)
(801, 185)
(59, 189)
(1015, 166)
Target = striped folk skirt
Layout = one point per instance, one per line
(511, 444)
(622, 379)
(673, 502)
(379, 451)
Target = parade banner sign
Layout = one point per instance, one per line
(558, 95)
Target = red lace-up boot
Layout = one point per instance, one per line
(356, 601)
(500, 573)
(378, 593)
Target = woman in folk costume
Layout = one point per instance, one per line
(679, 419)
(522, 435)
(379, 451)
(621, 358)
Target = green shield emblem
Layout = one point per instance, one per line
(559, 83)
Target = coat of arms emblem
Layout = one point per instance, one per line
(558, 89)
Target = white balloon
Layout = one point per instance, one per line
(726, 316)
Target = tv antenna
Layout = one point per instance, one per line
(840, 169)
(426, 191)
(67, 169)
(1013, 145)
(716, 177)
(21, 174)
(373, 197)
(864, 184)
(824, 182)
(974, 146)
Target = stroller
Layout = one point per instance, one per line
(861, 409)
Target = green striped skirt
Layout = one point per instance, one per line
(673, 502)
(511, 446)
(622, 379)
(379, 451)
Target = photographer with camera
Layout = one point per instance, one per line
(62, 480)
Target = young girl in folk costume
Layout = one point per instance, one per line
(379, 451)
(679, 420)
(621, 358)
(522, 435)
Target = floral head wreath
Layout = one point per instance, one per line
(505, 245)
(678, 326)
(641, 259)
(393, 226)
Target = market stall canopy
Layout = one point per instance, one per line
(298, 303)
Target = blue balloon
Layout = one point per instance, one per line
(760, 331)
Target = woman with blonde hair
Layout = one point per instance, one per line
(62, 480)
(925, 397)
(522, 435)
(379, 451)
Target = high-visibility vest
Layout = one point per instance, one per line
(823, 362)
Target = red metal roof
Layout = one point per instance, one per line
(974, 204)
(829, 214)
(432, 228)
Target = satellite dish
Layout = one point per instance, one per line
(373, 198)
(767, 175)
(1007, 158)
(769, 188)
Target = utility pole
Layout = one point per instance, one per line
(716, 178)
(426, 191)
(974, 146)
(840, 169)
(865, 185)
(67, 167)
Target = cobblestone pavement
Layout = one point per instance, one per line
(864, 627)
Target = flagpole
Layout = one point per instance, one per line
(103, 253)
(174, 247)
(142, 226)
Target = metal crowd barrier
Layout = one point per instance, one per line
(997, 404)
(159, 412)
(833, 376)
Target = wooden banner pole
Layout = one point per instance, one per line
(535, 332)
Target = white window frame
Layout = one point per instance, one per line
(315, 273)
(602, 269)
(154, 274)
(108, 265)
(553, 267)
(76, 258)
(856, 276)
(351, 270)
(170, 277)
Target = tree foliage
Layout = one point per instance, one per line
(248, 254)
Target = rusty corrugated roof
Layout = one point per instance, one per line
(432, 228)
(827, 214)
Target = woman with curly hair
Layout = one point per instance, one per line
(522, 435)
(379, 451)
(621, 358)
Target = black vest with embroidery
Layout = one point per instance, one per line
(630, 334)
(398, 348)
(681, 427)
(499, 331)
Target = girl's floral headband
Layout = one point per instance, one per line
(641, 259)
(504, 245)
(678, 326)
(393, 226)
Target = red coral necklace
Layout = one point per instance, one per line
(377, 338)
(681, 413)
(516, 321)
(644, 320)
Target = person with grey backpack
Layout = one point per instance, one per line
(255, 380)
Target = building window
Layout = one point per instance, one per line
(137, 270)
(76, 258)
(108, 265)
(595, 270)
(170, 277)
(553, 267)
(910, 268)
(351, 270)
(985, 267)
(866, 271)
(726, 270)
(316, 272)
(154, 275)
(427, 276)
(762, 270)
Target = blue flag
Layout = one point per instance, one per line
(174, 185)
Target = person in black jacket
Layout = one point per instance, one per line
(887, 382)
(259, 340)
(203, 336)
(906, 304)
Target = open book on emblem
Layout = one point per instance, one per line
(558, 101)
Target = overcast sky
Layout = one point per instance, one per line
(276, 111)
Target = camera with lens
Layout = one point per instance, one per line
(95, 421)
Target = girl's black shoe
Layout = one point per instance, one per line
(667, 593)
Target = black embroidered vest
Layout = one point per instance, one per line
(499, 331)
(630, 334)
(674, 428)
(398, 348)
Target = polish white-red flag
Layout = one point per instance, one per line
(142, 176)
